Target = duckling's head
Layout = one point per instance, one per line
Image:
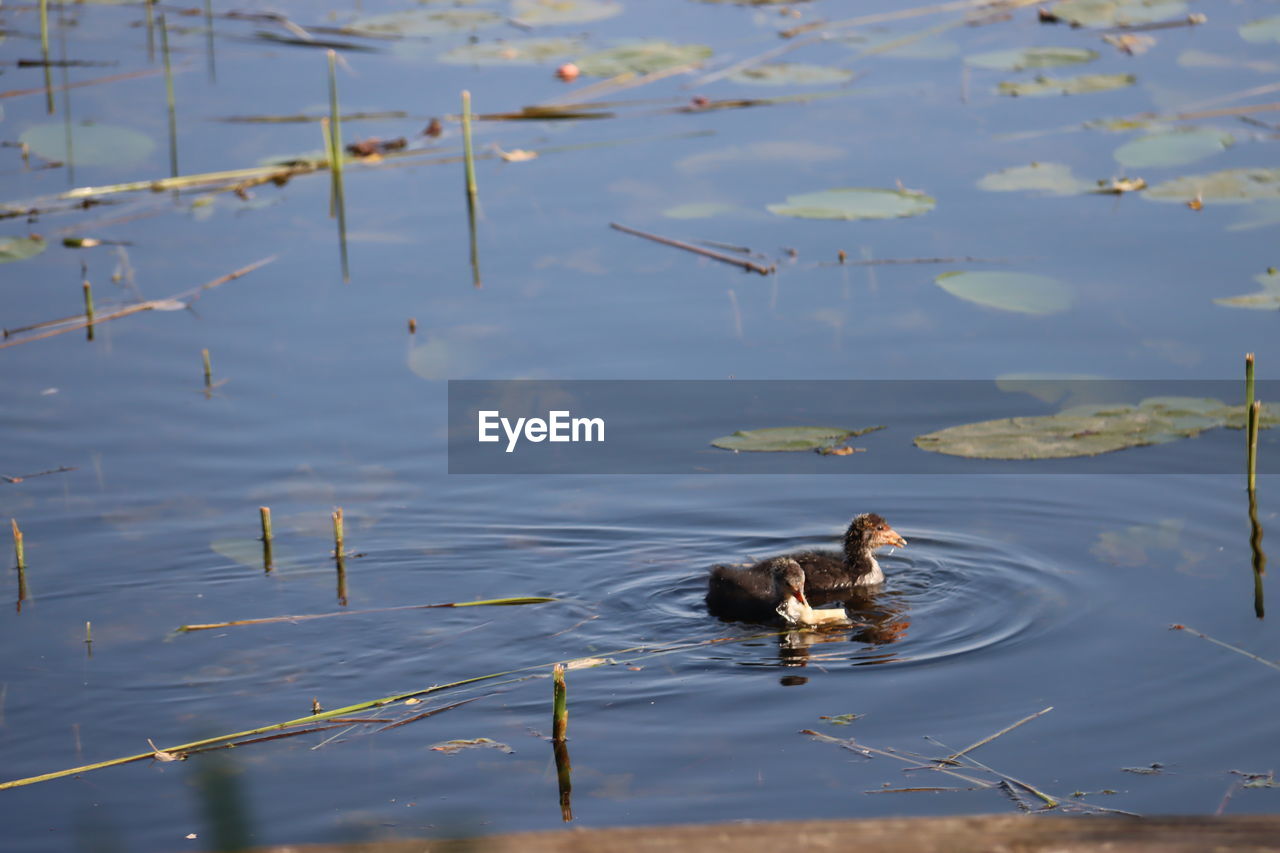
(788, 584)
(868, 532)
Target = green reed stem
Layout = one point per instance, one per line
(335, 162)
(1255, 417)
(18, 551)
(208, 368)
(44, 52)
(264, 514)
(169, 99)
(560, 705)
(151, 31)
(337, 533)
(467, 149)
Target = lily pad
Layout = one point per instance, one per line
(1020, 59)
(787, 439)
(792, 74)
(1173, 147)
(1230, 186)
(700, 210)
(1045, 178)
(425, 22)
(855, 203)
(1088, 430)
(641, 57)
(1117, 13)
(20, 248)
(1262, 30)
(93, 144)
(1080, 85)
(1023, 293)
(540, 13)
(451, 746)
(513, 52)
(1267, 299)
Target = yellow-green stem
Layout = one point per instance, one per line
(17, 545)
(337, 533)
(264, 512)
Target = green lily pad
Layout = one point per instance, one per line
(1088, 430)
(792, 74)
(1173, 147)
(425, 22)
(1045, 178)
(1230, 186)
(513, 52)
(1117, 13)
(1023, 293)
(1081, 85)
(1020, 59)
(641, 57)
(93, 144)
(539, 13)
(20, 248)
(1261, 30)
(1267, 299)
(855, 203)
(700, 210)
(787, 439)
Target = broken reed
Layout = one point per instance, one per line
(1255, 416)
(560, 705)
(264, 514)
(88, 304)
(337, 533)
(169, 100)
(335, 162)
(1251, 413)
(17, 545)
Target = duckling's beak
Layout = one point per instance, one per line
(799, 594)
(891, 537)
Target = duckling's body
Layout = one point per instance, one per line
(775, 593)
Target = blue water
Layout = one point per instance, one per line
(1015, 593)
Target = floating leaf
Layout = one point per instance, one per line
(1020, 59)
(1081, 85)
(1261, 30)
(1267, 299)
(451, 746)
(1088, 430)
(855, 203)
(539, 13)
(20, 248)
(700, 210)
(1231, 186)
(841, 719)
(1173, 147)
(792, 74)
(93, 144)
(1023, 293)
(513, 52)
(1046, 178)
(425, 22)
(784, 439)
(641, 57)
(1117, 13)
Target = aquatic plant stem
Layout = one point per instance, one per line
(44, 53)
(336, 163)
(337, 532)
(469, 161)
(18, 550)
(208, 369)
(264, 515)
(88, 305)
(208, 29)
(303, 617)
(169, 99)
(560, 705)
(986, 740)
(1255, 418)
(1227, 646)
(151, 30)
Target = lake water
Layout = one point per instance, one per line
(1017, 591)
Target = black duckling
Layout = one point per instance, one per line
(767, 592)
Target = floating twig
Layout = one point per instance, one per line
(18, 478)
(268, 620)
(97, 81)
(697, 250)
(1227, 646)
(951, 759)
(180, 300)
